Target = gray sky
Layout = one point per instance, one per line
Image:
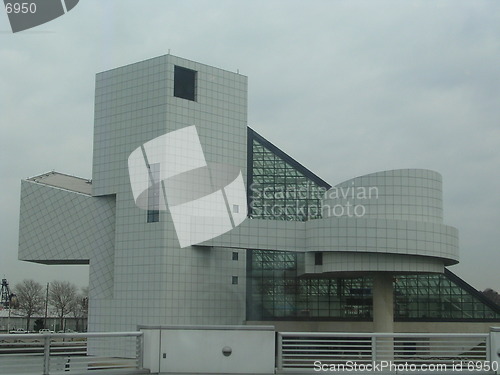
(345, 87)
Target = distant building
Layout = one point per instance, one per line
(16, 319)
(163, 229)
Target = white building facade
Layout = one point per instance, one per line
(356, 256)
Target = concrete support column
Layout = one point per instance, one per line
(383, 315)
(383, 302)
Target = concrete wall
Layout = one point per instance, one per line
(210, 350)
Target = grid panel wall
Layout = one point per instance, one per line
(403, 194)
(156, 281)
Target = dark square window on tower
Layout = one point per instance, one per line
(184, 83)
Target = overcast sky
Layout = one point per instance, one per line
(345, 87)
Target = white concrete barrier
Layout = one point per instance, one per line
(495, 349)
(209, 349)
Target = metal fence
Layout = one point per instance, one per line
(380, 352)
(300, 352)
(72, 353)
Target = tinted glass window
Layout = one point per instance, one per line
(185, 83)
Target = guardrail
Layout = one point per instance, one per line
(72, 353)
(384, 352)
(304, 352)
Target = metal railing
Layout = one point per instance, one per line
(72, 353)
(383, 352)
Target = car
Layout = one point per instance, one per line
(18, 331)
(66, 331)
(45, 330)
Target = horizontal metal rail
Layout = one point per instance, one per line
(72, 353)
(380, 352)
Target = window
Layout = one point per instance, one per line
(234, 280)
(277, 292)
(235, 256)
(318, 258)
(153, 216)
(280, 188)
(184, 83)
(443, 297)
(154, 194)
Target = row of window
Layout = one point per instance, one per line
(185, 88)
(275, 291)
(278, 190)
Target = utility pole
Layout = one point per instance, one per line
(8, 299)
(5, 294)
(46, 306)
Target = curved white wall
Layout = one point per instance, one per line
(389, 221)
(387, 236)
(404, 194)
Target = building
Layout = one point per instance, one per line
(15, 319)
(169, 241)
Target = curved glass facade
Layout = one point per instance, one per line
(277, 292)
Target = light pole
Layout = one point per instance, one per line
(8, 322)
(46, 306)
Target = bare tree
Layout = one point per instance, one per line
(492, 295)
(62, 296)
(85, 303)
(79, 308)
(30, 299)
